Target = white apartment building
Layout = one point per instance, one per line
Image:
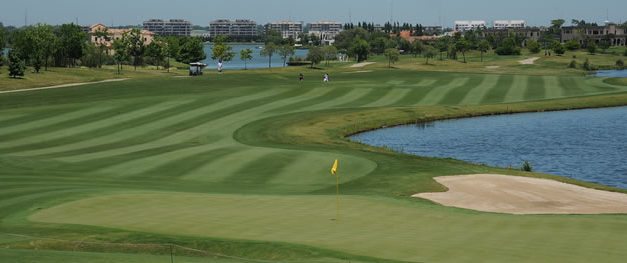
(287, 28)
(464, 25)
(172, 27)
(325, 30)
(239, 28)
(507, 24)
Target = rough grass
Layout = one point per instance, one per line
(260, 137)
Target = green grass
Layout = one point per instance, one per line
(237, 164)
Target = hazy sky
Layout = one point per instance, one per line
(200, 12)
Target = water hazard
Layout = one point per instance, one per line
(588, 145)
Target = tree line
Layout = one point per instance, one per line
(41, 46)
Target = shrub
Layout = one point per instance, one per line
(572, 45)
(625, 53)
(588, 66)
(559, 49)
(620, 63)
(526, 166)
(572, 64)
(592, 47)
(533, 46)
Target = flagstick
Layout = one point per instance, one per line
(337, 197)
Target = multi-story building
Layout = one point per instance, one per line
(507, 24)
(325, 30)
(526, 33)
(464, 25)
(287, 28)
(432, 30)
(611, 33)
(172, 27)
(237, 29)
(99, 39)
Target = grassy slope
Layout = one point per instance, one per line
(258, 135)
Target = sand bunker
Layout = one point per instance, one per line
(523, 195)
(492, 67)
(361, 65)
(529, 61)
(63, 85)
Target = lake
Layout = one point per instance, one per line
(257, 62)
(588, 145)
(613, 73)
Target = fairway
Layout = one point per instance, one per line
(193, 159)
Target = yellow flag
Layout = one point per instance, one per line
(334, 167)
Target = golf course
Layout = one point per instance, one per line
(235, 167)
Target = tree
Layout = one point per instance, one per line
(315, 56)
(286, 51)
(430, 52)
(533, 46)
(442, 45)
(392, 54)
(102, 37)
(558, 48)
(157, 50)
(417, 48)
(606, 42)
(591, 47)
(191, 50)
(462, 45)
(360, 50)
(508, 47)
(405, 45)
(136, 47)
(172, 49)
(16, 65)
(483, 47)
(120, 51)
(72, 40)
(245, 55)
(572, 45)
(267, 51)
(330, 52)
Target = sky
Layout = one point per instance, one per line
(200, 12)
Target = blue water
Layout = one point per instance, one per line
(257, 62)
(611, 73)
(588, 145)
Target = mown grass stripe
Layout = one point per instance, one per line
(498, 92)
(393, 96)
(552, 87)
(137, 130)
(457, 94)
(183, 167)
(518, 89)
(219, 169)
(43, 124)
(264, 168)
(344, 99)
(328, 95)
(570, 86)
(92, 126)
(437, 94)
(535, 89)
(196, 129)
(418, 93)
(479, 92)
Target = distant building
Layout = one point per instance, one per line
(464, 25)
(172, 27)
(611, 32)
(508, 24)
(287, 28)
(527, 33)
(432, 30)
(325, 30)
(408, 35)
(114, 34)
(237, 29)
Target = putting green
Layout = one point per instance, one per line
(378, 227)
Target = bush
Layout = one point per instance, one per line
(620, 63)
(592, 47)
(572, 45)
(572, 64)
(533, 46)
(526, 167)
(588, 66)
(559, 49)
(508, 47)
(625, 53)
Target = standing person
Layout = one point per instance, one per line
(220, 65)
(301, 77)
(326, 77)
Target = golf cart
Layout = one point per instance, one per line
(195, 68)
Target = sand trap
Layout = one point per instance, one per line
(529, 61)
(361, 65)
(523, 195)
(63, 86)
(359, 71)
(492, 67)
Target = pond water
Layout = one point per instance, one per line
(257, 62)
(588, 145)
(612, 73)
